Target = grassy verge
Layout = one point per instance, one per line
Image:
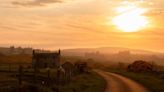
(85, 83)
(153, 82)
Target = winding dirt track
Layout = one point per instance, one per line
(118, 83)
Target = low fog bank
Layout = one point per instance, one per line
(114, 55)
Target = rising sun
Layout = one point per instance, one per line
(130, 19)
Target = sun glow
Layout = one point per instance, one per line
(130, 19)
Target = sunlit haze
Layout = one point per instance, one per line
(54, 24)
(130, 19)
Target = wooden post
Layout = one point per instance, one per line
(35, 74)
(48, 75)
(20, 75)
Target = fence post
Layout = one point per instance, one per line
(35, 73)
(48, 75)
(20, 74)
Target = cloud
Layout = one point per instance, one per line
(155, 12)
(34, 3)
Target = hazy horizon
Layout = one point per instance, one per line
(118, 49)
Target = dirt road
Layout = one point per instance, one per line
(118, 83)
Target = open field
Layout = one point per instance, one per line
(20, 58)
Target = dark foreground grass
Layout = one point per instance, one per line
(86, 82)
(91, 82)
(154, 82)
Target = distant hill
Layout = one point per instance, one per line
(106, 50)
(115, 54)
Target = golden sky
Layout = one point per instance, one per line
(53, 24)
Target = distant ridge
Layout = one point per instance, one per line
(82, 51)
(107, 50)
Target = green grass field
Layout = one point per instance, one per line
(154, 82)
(85, 83)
